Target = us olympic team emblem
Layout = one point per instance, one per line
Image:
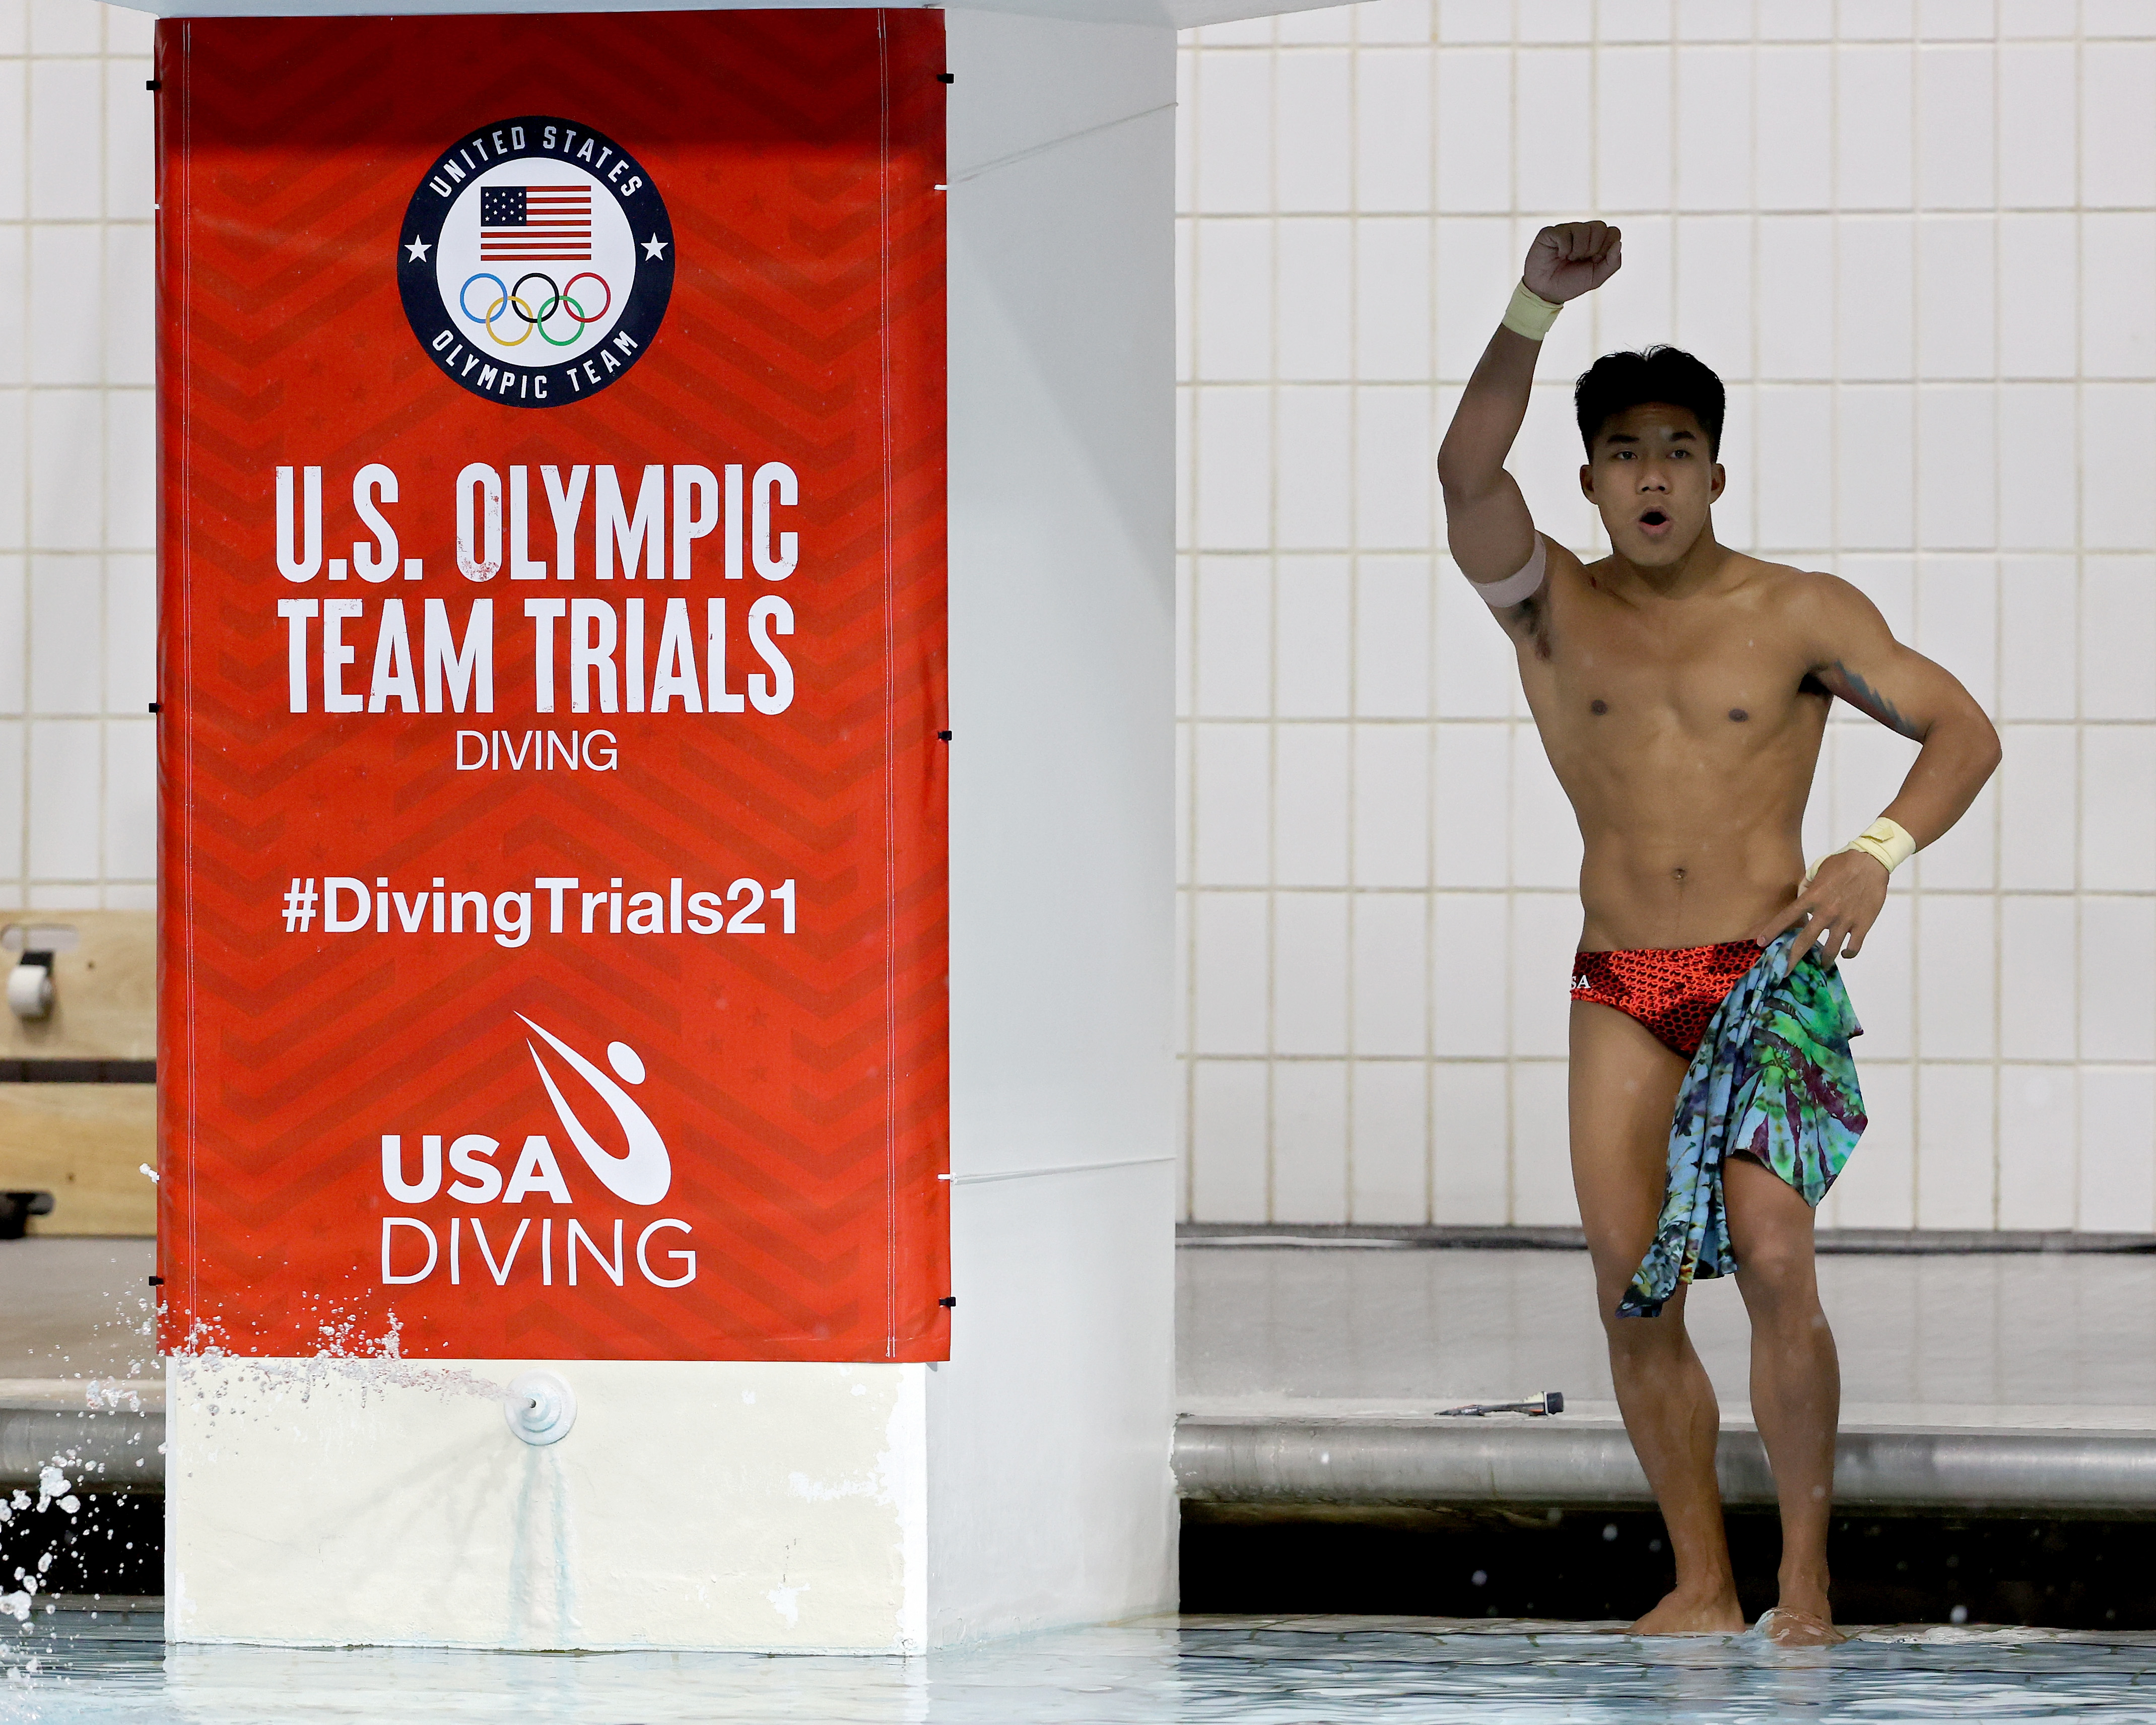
(537, 261)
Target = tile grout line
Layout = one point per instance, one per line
(1998, 682)
(1187, 308)
(1272, 683)
(1349, 968)
(1513, 706)
(105, 462)
(2078, 58)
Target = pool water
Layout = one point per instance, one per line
(72, 1665)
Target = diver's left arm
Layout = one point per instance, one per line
(1856, 656)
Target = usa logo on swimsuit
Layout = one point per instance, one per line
(535, 261)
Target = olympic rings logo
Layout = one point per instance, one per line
(510, 300)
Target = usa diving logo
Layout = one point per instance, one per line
(536, 262)
(642, 1173)
(526, 1215)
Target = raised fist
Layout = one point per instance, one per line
(1572, 258)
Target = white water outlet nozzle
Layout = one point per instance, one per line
(539, 1408)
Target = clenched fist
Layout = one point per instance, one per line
(1572, 258)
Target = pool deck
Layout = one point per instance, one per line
(1310, 1377)
(79, 1374)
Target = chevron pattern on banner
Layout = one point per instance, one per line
(706, 1128)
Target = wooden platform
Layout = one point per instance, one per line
(77, 1120)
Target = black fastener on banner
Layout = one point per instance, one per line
(949, 1300)
(943, 736)
(946, 77)
(153, 84)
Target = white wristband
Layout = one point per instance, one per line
(1517, 589)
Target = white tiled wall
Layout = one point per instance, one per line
(77, 588)
(1919, 242)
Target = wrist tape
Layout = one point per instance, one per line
(1885, 840)
(1530, 314)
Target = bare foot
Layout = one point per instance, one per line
(1682, 1613)
(1786, 1626)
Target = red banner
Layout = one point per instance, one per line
(551, 672)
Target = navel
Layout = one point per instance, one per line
(1677, 876)
(1738, 714)
(1598, 706)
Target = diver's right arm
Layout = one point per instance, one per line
(1491, 534)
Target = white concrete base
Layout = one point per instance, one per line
(754, 1506)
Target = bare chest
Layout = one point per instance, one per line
(1717, 675)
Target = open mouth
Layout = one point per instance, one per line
(1653, 518)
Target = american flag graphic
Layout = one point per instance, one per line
(535, 224)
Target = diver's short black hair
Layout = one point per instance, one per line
(1618, 380)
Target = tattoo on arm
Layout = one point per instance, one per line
(1866, 700)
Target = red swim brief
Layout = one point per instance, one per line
(1672, 990)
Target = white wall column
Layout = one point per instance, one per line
(1049, 1498)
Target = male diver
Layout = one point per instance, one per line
(1681, 691)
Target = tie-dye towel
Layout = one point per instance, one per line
(1773, 1079)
